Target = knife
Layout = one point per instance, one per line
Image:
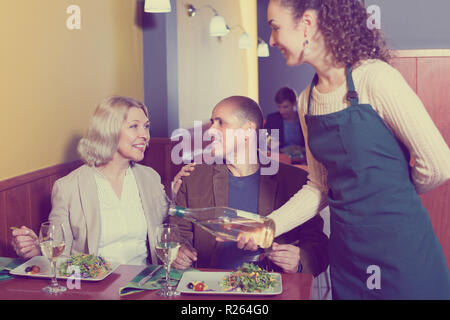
(146, 278)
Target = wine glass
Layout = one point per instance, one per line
(167, 246)
(52, 243)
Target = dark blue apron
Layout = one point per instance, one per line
(382, 244)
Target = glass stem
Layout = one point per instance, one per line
(54, 281)
(167, 276)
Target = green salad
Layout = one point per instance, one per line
(90, 266)
(248, 278)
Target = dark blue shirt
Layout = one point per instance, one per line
(292, 134)
(243, 195)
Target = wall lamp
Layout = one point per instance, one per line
(217, 25)
(157, 6)
(245, 42)
(263, 48)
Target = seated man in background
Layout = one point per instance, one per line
(286, 120)
(241, 185)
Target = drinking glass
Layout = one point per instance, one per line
(52, 243)
(167, 246)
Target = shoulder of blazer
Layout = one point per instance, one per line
(273, 117)
(148, 180)
(202, 171)
(148, 172)
(206, 178)
(72, 178)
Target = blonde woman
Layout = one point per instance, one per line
(110, 206)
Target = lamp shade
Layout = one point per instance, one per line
(263, 49)
(244, 41)
(157, 6)
(218, 27)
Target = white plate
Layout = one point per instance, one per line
(46, 269)
(213, 279)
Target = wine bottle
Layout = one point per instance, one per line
(230, 224)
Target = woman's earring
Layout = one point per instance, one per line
(306, 49)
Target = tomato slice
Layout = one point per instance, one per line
(35, 269)
(199, 286)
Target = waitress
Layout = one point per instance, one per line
(362, 122)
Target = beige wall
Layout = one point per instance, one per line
(211, 69)
(51, 78)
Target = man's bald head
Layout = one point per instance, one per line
(245, 109)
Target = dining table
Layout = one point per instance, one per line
(295, 286)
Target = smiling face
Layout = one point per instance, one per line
(134, 136)
(223, 120)
(287, 34)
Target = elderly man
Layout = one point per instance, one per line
(239, 182)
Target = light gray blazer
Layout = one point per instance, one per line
(75, 204)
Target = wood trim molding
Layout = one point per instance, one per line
(421, 53)
(39, 174)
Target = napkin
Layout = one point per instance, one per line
(152, 283)
(8, 264)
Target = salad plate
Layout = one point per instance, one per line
(213, 281)
(45, 269)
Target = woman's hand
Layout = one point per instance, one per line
(25, 242)
(184, 172)
(286, 256)
(187, 255)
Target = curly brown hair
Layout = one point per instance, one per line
(343, 24)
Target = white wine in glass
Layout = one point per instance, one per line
(167, 251)
(52, 243)
(167, 246)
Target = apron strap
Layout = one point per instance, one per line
(313, 83)
(352, 95)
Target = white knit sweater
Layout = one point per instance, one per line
(383, 87)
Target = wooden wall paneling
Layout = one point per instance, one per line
(17, 210)
(433, 86)
(408, 68)
(3, 224)
(168, 167)
(155, 156)
(25, 200)
(173, 168)
(53, 177)
(437, 204)
(158, 156)
(40, 201)
(60, 169)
